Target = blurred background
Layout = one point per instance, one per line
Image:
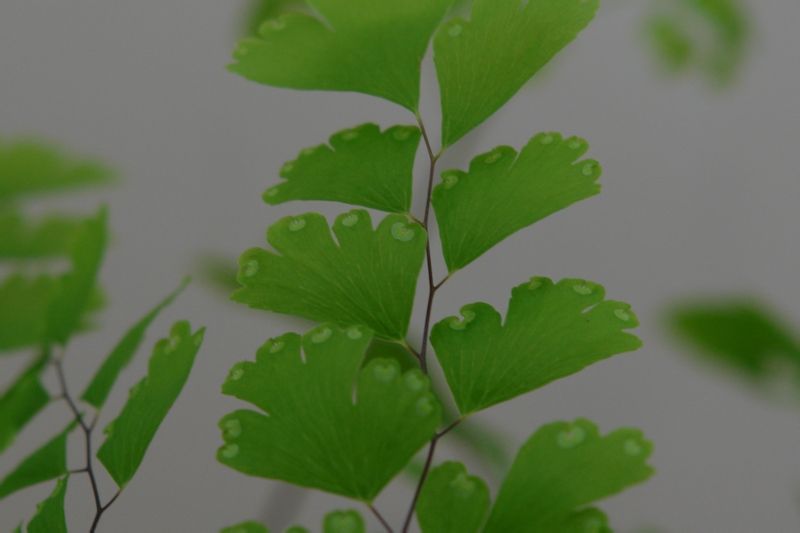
(692, 110)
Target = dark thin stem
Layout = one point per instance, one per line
(87, 434)
(432, 288)
(449, 428)
(381, 519)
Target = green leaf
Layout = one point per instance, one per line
(49, 517)
(562, 468)
(368, 46)
(22, 239)
(742, 334)
(504, 192)
(99, 388)
(484, 62)
(24, 304)
(32, 167)
(361, 166)
(369, 278)
(374, 418)
(46, 463)
(76, 287)
(452, 501)
(130, 434)
(592, 520)
(551, 331)
(349, 521)
(262, 10)
(246, 527)
(21, 402)
(297, 529)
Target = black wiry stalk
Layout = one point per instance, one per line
(87, 429)
(381, 519)
(432, 288)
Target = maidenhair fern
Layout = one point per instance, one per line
(337, 409)
(42, 314)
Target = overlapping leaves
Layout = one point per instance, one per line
(368, 46)
(550, 331)
(361, 166)
(483, 62)
(369, 277)
(330, 423)
(348, 521)
(504, 192)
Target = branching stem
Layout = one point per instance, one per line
(87, 429)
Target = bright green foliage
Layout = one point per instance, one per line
(297, 529)
(741, 334)
(46, 463)
(99, 388)
(368, 46)
(452, 501)
(709, 35)
(28, 168)
(381, 349)
(21, 239)
(76, 287)
(49, 517)
(22, 401)
(483, 62)
(130, 434)
(24, 304)
(551, 331)
(592, 520)
(362, 166)
(343, 522)
(246, 527)
(562, 468)
(369, 278)
(504, 192)
(331, 424)
(262, 10)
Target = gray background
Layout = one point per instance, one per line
(700, 193)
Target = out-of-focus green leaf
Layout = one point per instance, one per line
(551, 331)
(131, 433)
(99, 388)
(22, 401)
(246, 527)
(23, 239)
(46, 463)
(374, 418)
(349, 521)
(24, 304)
(483, 62)
(76, 287)
(49, 517)
(31, 167)
(369, 277)
(368, 46)
(562, 468)
(452, 501)
(361, 166)
(708, 35)
(504, 192)
(739, 333)
(260, 11)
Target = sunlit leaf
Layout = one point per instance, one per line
(361, 166)
(452, 501)
(22, 401)
(561, 469)
(77, 286)
(46, 463)
(551, 331)
(368, 46)
(99, 388)
(246, 527)
(23, 239)
(330, 423)
(31, 167)
(483, 62)
(131, 433)
(504, 192)
(368, 278)
(49, 517)
(740, 333)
